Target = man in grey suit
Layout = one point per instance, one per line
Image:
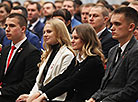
(120, 83)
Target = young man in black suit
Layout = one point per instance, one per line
(98, 18)
(18, 66)
(120, 83)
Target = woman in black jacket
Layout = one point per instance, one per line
(83, 76)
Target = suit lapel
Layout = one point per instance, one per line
(128, 47)
(102, 36)
(4, 58)
(18, 52)
(54, 63)
(110, 65)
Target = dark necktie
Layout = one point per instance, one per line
(30, 25)
(117, 56)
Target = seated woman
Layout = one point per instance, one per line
(56, 57)
(63, 15)
(83, 76)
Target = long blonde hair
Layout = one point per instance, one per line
(92, 45)
(62, 36)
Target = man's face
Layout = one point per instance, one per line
(3, 13)
(58, 5)
(13, 30)
(69, 6)
(85, 14)
(48, 9)
(96, 18)
(120, 27)
(33, 13)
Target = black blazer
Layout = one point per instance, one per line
(120, 83)
(80, 81)
(107, 41)
(21, 74)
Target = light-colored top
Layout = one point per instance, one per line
(59, 64)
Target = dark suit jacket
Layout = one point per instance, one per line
(38, 29)
(22, 71)
(79, 81)
(120, 83)
(107, 41)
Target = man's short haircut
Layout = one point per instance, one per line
(50, 3)
(104, 10)
(23, 9)
(21, 19)
(130, 14)
(6, 7)
(37, 5)
(9, 1)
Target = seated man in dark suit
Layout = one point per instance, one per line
(34, 23)
(18, 62)
(98, 18)
(120, 83)
(31, 37)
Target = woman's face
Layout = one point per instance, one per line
(77, 43)
(49, 35)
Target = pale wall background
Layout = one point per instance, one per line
(84, 1)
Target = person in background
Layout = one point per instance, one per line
(8, 3)
(2, 35)
(77, 14)
(32, 38)
(134, 5)
(18, 61)
(4, 12)
(65, 16)
(124, 4)
(98, 18)
(47, 10)
(16, 3)
(84, 74)
(85, 9)
(26, 2)
(58, 4)
(120, 83)
(70, 5)
(34, 23)
(56, 58)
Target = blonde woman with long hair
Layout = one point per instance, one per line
(56, 57)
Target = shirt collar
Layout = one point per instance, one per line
(100, 32)
(80, 58)
(19, 43)
(124, 46)
(33, 24)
